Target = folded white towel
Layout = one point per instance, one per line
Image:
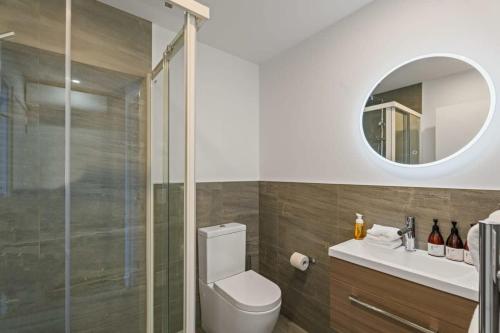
(384, 233)
(473, 244)
(386, 244)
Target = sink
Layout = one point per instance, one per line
(456, 278)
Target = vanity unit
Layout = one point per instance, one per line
(375, 289)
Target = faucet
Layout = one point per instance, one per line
(408, 233)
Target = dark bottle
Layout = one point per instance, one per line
(435, 241)
(467, 256)
(454, 245)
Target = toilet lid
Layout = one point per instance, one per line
(249, 291)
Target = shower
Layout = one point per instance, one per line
(89, 239)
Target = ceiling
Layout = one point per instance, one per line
(422, 70)
(254, 30)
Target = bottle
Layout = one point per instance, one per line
(467, 256)
(435, 241)
(359, 227)
(454, 245)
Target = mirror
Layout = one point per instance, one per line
(427, 110)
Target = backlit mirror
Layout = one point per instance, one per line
(427, 110)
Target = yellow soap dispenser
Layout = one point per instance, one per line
(359, 227)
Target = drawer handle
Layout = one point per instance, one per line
(390, 315)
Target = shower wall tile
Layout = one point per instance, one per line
(309, 218)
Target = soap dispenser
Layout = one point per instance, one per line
(467, 255)
(359, 227)
(435, 242)
(454, 245)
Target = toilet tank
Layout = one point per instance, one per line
(221, 251)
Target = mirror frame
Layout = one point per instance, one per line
(483, 129)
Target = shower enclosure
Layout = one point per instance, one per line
(393, 131)
(90, 241)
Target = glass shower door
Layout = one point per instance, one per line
(374, 127)
(407, 137)
(168, 141)
(32, 261)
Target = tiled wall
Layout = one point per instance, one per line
(217, 203)
(309, 218)
(226, 202)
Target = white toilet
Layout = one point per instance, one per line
(232, 300)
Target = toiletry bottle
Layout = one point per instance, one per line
(454, 245)
(435, 242)
(467, 256)
(359, 227)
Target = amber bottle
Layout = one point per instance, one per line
(467, 256)
(435, 241)
(454, 245)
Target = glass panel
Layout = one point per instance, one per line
(414, 139)
(375, 130)
(401, 136)
(110, 59)
(176, 162)
(32, 167)
(168, 177)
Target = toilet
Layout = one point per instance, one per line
(232, 299)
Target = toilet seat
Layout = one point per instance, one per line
(249, 291)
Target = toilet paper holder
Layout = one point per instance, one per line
(301, 261)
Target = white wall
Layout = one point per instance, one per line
(455, 130)
(312, 94)
(227, 108)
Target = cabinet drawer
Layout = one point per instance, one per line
(348, 316)
(423, 306)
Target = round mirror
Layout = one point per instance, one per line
(428, 110)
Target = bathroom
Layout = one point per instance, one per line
(135, 135)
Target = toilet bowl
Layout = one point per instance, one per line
(232, 299)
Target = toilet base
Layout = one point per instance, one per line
(220, 316)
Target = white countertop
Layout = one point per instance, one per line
(456, 278)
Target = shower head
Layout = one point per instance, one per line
(5, 35)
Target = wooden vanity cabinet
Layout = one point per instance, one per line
(364, 300)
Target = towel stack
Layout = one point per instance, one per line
(383, 236)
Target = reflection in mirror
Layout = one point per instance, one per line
(426, 110)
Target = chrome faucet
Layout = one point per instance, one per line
(408, 233)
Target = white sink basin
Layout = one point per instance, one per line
(452, 277)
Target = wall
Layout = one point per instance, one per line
(217, 203)
(309, 218)
(452, 91)
(315, 169)
(312, 94)
(227, 101)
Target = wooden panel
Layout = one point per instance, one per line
(423, 305)
(348, 317)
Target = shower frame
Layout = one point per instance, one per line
(388, 150)
(195, 15)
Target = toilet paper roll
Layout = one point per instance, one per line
(299, 261)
